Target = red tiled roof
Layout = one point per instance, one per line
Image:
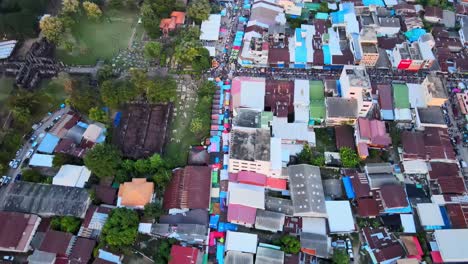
(344, 137)
(189, 188)
(183, 255)
(82, 251)
(56, 242)
(374, 130)
(360, 185)
(433, 11)
(252, 178)
(241, 214)
(278, 55)
(367, 207)
(16, 230)
(434, 143)
(458, 215)
(279, 96)
(384, 246)
(443, 169)
(454, 185)
(393, 196)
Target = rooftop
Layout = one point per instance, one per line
(431, 115)
(136, 193)
(17, 230)
(430, 215)
(269, 256)
(338, 107)
(340, 217)
(247, 118)
(242, 242)
(250, 145)
(185, 255)
(72, 175)
(307, 195)
(270, 221)
(452, 244)
(393, 196)
(56, 242)
(44, 199)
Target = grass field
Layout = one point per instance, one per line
(6, 85)
(95, 40)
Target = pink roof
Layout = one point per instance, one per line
(418, 247)
(436, 257)
(375, 131)
(241, 214)
(362, 149)
(253, 178)
(275, 183)
(183, 255)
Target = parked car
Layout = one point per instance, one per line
(29, 153)
(33, 137)
(5, 180)
(8, 258)
(350, 253)
(348, 243)
(34, 144)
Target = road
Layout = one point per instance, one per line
(39, 133)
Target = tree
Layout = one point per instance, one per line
(99, 115)
(114, 94)
(349, 157)
(186, 52)
(92, 10)
(202, 61)
(305, 156)
(324, 7)
(21, 114)
(18, 19)
(105, 73)
(154, 10)
(199, 10)
(143, 166)
(62, 159)
(83, 99)
(70, 6)
(121, 229)
(207, 88)
(156, 161)
(68, 224)
(290, 244)
(32, 175)
(340, 256)
(153, 210)
(153, 49)
(163, 253)
(103, 160)
(196, 125)
(161, 179)
(162, 90)
(52, 28)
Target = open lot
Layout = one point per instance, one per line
(98, 40)
(142, 129)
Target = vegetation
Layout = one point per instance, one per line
(83, 99)
(154, 10)
(153, 49)
(70, 6)
(289, 244)
(190, 51)
(295, 22)
(92, 10)
(98, 115)
(199, 10)
(31, 175)
(340, 256)
(52, 28)
(349, 157)
(164, 251)
(311, 157)
(103, 160)
(153, 210)
(159, 90)
(68, 224)
(18, 19)
(62, 159)
(121, 229)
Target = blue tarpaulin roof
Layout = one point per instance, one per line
(323, 16)
(327, 59)
(301, 51)
(48, 144)
(414, 34)
(348, 187)
(117, 118)
(214, 219)
(373, 2)
(220, 253)
(444, 213)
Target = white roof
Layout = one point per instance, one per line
(403, 114)
(41, 160)
(211, 50)
(253, 94)
(391, 2)
(301, 92)
(407, 221)
(72, 175)
(243, 242)
(6, 48)
(246, 195)
(340, 217)
(453, 244)
(275, 153)
(292, 131)
(144, 228)
(417, 97)
(415, 167)
(429, 214)
(426, 51)
(314, 225)
(92, 133)
(210, 27)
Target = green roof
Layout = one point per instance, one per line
(266, 118)
(317, 109)
(401, 96)
(316, 90)
(312, 6)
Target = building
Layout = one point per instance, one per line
(407, 57)
(306, 190)
(384, 247)
(48, 144)
(242, 242)
(185, 255)
(430, 216)
(371, 134)
(340, 111)
(452, 244)
(340, 217)
(393, 199)
(94, 221)
(17, 231)
(210, 28)
(269, 221)
(430, 117)
(267, 255)
(72, 175)
(463, 32)
(370, 51)
(462, 100)
(355, 84)
(189, 188)
(169, 24)
(433, 14)
(7, 48)
(434, 144)
(44, 199)
(135, 194)
(194, 234)
(436, 92)
(388, 26)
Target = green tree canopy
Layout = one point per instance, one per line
(31, 175)
(97, 114)
(52, 28)
(309, 156)
(199, 10)
(153, 49)
(92, 10)
(70, 6)
(68, 224)
(114, 94)
(162, 90)
(83, 99)
(62, 159)
(290, 244)
(340, 256)
(349, 157)
(105, 73)
(18, 19)
(103, 160)
(121, 229)
(153, 210)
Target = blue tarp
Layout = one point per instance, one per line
(223, 227)
(220, 253)
(444, 213)
(82, 124)
(214, 219)
(243, 19)
(373, 2)
(117, 118)
(348, 187)
(415, 34)
(327, 58)
(48, 144)
(301, 50)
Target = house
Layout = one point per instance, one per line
(384, 247)
(72, 175)
(267, 255)
(242, 242)
(340, 217)
(340, 111)
(56, 242)
(95, 133)
(195, 234)
(368, 42)
(433, 14)
(385, 99)
(367, 207)
(185, 255)
(393, 199)
(315, 244)
(430, 216)
(379, 174)
(412, 246)
(434, 144)
(306, 190)
(44, 199)
(463, 31)
(458, 215)
(17, 231)
(168, 24)
(41, 257)
(135, 194)
(81, 250)
(269, 221)
(344, 137)
(94, 221)
(388, 26)
(41, 160)
(408, 56)
(371, 134)
(429, 117)
(452, 244)
(355, 84)
(436, 92)
(189, 188)
(234, 257)
(48, 144)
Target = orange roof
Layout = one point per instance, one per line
(180, 17)
(138, 192)
(167, 23)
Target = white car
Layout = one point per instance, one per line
(8, 258)
(350, 253)
(348, 243)
(30, 152)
